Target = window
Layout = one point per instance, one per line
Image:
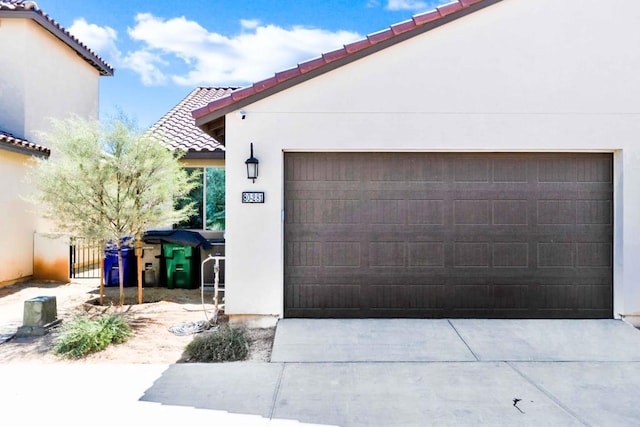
(209, 198)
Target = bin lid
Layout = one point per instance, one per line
(180, 237)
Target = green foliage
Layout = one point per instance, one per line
(195, 198)
(109, 181)
(214, 178)
(216, 198)
(82, 335)
(224, 344)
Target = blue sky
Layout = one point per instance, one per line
(162, 49)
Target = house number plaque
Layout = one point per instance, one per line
(253, 197)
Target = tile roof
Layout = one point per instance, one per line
(178, 126)
(329, 61)
(10, 142)
(30, 9)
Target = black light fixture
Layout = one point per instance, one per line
(252, 166)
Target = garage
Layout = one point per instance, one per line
(448, 235)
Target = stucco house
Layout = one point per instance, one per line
(477, 161)
(45, 72)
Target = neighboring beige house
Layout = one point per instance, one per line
(479, 160)
(45, 73)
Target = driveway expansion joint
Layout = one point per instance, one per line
(463, 340)
(276, 392)
(550, 395)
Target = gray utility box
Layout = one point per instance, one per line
(39, 314)
(151, 254)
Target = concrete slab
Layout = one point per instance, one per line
(306, 394)
(550, 340)
(241, 388)
(367, 340)
(600, 393)
(413, 394)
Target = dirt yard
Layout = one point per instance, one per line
(163, 311)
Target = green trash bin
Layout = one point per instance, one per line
(179, 260)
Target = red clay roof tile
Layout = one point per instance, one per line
(311, 65)
(425, 18)
(357, 46)
(403, 27)
(468, 3)
(335, 55)
(243, 93)
(288, 74)
(177, 128)
(380, 36)
(260, 86)
(448, 9)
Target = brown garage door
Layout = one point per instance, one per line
(448, 235)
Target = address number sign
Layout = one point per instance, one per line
(253, 197)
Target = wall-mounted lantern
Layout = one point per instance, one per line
(252, 166)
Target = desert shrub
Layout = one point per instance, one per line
(83, 335)
(224, 344)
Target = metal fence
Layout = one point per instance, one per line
(84, 256)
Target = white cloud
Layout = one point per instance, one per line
(147, 64)
(212, 58)
(249, 24)
(101, 40)
(415, 5)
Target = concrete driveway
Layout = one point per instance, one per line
(362, 373)
(455, 340)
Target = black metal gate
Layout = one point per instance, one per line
(84, 256)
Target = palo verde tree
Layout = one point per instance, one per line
(110, 182)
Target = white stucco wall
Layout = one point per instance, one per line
(17, 220)
(40, 78)
(522, 75)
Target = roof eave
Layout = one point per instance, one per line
(205, 115)
(204, 155)
(24, 150)
(103, 68)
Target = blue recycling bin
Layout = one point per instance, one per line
(111, 267)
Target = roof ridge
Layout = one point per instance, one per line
(327, 61)
(31, 6)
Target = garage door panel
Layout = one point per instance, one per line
(448, 235)
(326, 295)
(596, 212)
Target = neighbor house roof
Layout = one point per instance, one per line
(12, 143)
(211, 117)
(177, 128)
(30, 10)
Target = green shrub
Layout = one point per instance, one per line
(82, 335)
(224, 344)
